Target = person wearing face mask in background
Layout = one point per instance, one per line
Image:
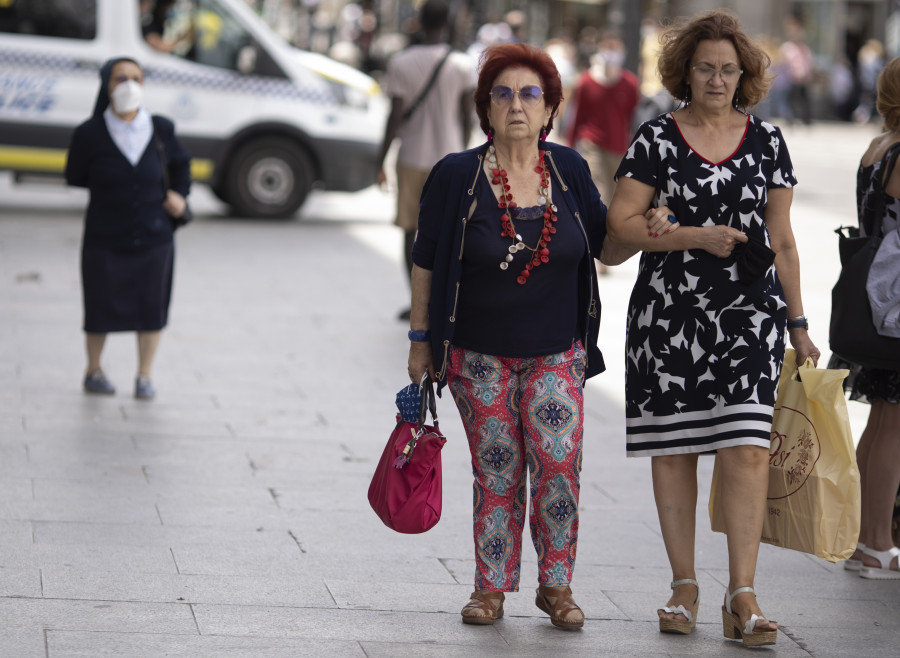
(604, 101)
(128, 250)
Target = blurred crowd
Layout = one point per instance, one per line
(806, 85)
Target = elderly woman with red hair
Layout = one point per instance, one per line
(505, 310)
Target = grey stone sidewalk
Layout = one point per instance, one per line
(229, 516)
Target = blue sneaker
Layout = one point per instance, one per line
(96, 382)
(143, 388)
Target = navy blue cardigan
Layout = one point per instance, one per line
(125, 208)
(448, 200)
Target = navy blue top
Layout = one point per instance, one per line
(447, 200)
(125, 208)
(498, 316)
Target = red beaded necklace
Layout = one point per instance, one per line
(540, 252)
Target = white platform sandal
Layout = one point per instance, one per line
(855, 565)
(731, 624)
(678, 625)
(884, 571)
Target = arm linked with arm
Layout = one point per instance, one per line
(627, 222)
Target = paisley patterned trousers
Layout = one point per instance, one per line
(518, 413)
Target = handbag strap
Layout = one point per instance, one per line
(428, 404)
(161, 149)
(888, 161)
(428, 85)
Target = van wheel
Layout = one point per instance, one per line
(269, 178)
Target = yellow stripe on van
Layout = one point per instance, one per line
(24, 158)
(201, 170)
(32, 159)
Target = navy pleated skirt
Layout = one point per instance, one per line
(126, 289)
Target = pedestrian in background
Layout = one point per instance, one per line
(869, 62)
(505, 310)
(655, 99)
(878, 451)
(604, 99)
(705, 344)
(127, 252)
(430, 87)
(798, 60)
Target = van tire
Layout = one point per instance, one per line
(269, 178)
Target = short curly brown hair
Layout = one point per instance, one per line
(498, 58)
(679, 43)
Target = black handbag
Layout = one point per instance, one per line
(187, 216)
(852, 334)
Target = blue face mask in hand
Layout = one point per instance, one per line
(409, 402)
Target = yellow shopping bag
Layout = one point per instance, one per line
(813, 501)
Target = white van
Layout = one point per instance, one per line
(263, 121)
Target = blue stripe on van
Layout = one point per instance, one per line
(44, 62)
(213, 79)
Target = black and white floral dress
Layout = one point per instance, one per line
(703, 350)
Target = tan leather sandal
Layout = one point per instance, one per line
(484, 607)
(559, 604)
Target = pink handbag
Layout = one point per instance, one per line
(406, 488)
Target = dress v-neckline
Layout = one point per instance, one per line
(700, 155)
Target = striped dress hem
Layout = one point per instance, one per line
(699, 431)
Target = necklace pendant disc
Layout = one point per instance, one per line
(504, 265)
(542, 200)
(512, 249)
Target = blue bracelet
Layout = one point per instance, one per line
(419, 335)
(800, 322)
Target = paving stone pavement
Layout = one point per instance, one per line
(229, 516)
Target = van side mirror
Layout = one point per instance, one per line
(246, 60)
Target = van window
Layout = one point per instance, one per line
(64, 19)
(221, 41)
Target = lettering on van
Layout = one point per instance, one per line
(28, 94)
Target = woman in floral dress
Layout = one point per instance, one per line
(705, 338)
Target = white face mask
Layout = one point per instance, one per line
(613, 58)
(127, 97)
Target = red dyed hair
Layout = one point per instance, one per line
(496, 59)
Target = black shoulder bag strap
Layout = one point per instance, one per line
(888, 161)
(428, 85)
(161, 149)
